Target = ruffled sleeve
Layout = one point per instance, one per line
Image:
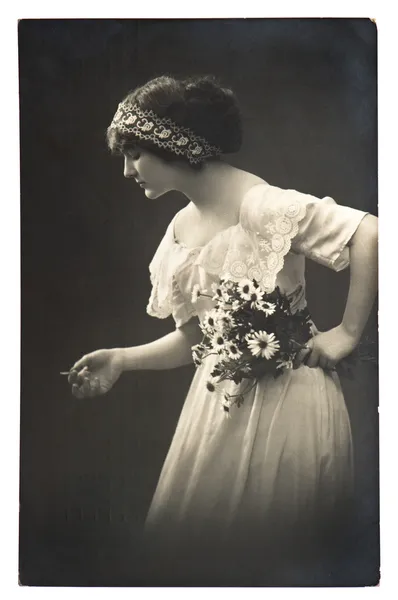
(166, 297)
(159, 304)
(287, 220)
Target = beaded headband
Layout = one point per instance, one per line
(163, 132)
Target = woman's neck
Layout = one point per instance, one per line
(213, 187)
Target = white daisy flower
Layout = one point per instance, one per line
(210, 320)
(212, 384)
(232, 350)
(196, 293)
(197, 352)
(255, 300)
(226, 403)
(218, 293)
(227, 321)
(221, 296)
(225, 303)
(262, 344)
(236, 304)
(246, 289)
(197, 361)
(228, 285)
(268, 308)
(226, 400)
(218, 342)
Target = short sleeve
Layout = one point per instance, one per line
(287, 220)
(159, 304)
(325, 231)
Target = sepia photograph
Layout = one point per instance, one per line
(199, 302)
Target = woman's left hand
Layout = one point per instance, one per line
(326, 349)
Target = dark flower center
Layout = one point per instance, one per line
(211, 321)
(245, 289)
(233, 350)
(220, 341)
(254, 297)
(263, 344)
(210, 386)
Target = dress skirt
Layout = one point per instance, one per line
(271, 479)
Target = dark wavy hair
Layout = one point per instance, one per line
(199, 103)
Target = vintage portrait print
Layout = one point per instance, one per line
(199, 389)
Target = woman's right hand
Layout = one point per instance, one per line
(95, 373)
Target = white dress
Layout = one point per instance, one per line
(284, 458)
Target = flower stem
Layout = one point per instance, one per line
(245, 392)
(209, 354)
(298, 346)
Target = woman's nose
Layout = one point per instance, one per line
(129, 169)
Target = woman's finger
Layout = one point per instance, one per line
(76, 391)
(301, 357)
(326, 363)
(76, 375)
(86, 387)
(314, 330)
(82, 375)
(313, 359)
(72, 377)
(85, 361)
(323, 362)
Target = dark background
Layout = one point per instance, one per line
(307, 88)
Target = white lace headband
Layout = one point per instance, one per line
(146, 125)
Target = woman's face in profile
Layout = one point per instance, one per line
(153, 174)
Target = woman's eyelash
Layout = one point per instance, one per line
(133, 155)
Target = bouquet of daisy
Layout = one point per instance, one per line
(253, 333)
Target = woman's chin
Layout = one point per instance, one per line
(151, 193)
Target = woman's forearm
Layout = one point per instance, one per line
(363, 277)
(169, 352)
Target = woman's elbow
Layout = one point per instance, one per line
(192, 331)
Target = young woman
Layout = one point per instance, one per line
(281, 467)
